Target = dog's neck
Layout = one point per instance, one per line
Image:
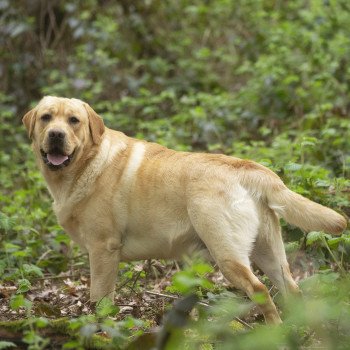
(77, 178)
(57, 181)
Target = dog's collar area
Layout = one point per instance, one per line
(52, 166)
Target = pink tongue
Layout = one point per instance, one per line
(56, 159)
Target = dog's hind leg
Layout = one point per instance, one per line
(228, 228)
(269, 254)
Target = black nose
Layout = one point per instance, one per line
(56, 134)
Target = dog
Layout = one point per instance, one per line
(125, 199)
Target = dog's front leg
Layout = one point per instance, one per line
(104, 259)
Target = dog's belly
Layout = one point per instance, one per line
(171, 241)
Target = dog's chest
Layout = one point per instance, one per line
(70, 222)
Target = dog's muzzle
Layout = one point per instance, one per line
(56, 158)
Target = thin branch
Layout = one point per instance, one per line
(174, 297)
(56, 277)
(135, 281)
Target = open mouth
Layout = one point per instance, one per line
(55, 159)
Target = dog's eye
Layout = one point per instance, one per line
(73, 120)
(46, 117)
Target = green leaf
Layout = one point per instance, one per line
(105, 307)
(41, 322)
(333, 243)
(33, 338)
(6, 222)
(202, 268)
(6, 344)
(185, 282)
(314, 236)
(23, 285)
(292, 166)
(20, 254)
(307, 143)
(18, 301)
(10, 247)
(32, 270)
(259, 298)
(322, 183)
(291, 247)
(317, 236)
(73, 344)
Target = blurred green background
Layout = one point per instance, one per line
(261, 79)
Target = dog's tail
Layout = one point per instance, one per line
(304, 213)
(294, 208)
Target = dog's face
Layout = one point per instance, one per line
(62, 129)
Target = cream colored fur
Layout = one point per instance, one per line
(126, 199)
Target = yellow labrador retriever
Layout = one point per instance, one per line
(127, 199)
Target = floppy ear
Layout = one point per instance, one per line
(29, 122)
(96, 125)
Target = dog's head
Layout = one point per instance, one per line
(61, 129)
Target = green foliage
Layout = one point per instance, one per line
(260, 79)
(105, 307)
(23, 285)
(118, 334)
(6, 345)
(322, 316)
(189, 279)
(18, 301)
